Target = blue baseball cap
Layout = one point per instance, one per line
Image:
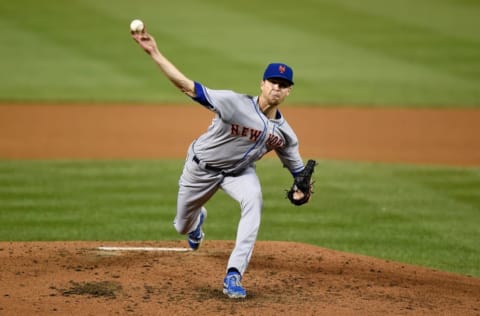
(280, 71)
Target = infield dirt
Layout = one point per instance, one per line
(129, 132)
(75, 278)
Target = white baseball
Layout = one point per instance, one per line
(137, 25)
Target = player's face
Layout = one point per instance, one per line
(275, 91)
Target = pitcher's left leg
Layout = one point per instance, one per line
(246, 190)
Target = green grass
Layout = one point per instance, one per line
(415, 214)
(344, 52)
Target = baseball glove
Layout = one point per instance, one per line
(301, 189)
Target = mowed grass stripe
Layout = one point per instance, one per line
(343, 52)
(372, 57)
(73, 200)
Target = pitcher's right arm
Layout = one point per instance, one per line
(149, 45)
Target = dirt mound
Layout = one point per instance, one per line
(284, 278)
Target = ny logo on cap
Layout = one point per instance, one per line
(281, 68)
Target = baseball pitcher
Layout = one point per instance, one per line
(244, 129)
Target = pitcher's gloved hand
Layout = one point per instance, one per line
(301, 190)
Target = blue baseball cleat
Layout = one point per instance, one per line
(232, 286)
(195, 237)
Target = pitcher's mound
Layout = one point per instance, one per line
(161, 278)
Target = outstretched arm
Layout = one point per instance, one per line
(149, 45)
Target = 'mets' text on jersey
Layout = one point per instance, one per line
(241, 134)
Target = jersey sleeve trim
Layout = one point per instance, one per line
(201, 97)
(296, 173)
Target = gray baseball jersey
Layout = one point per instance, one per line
(241, 134)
